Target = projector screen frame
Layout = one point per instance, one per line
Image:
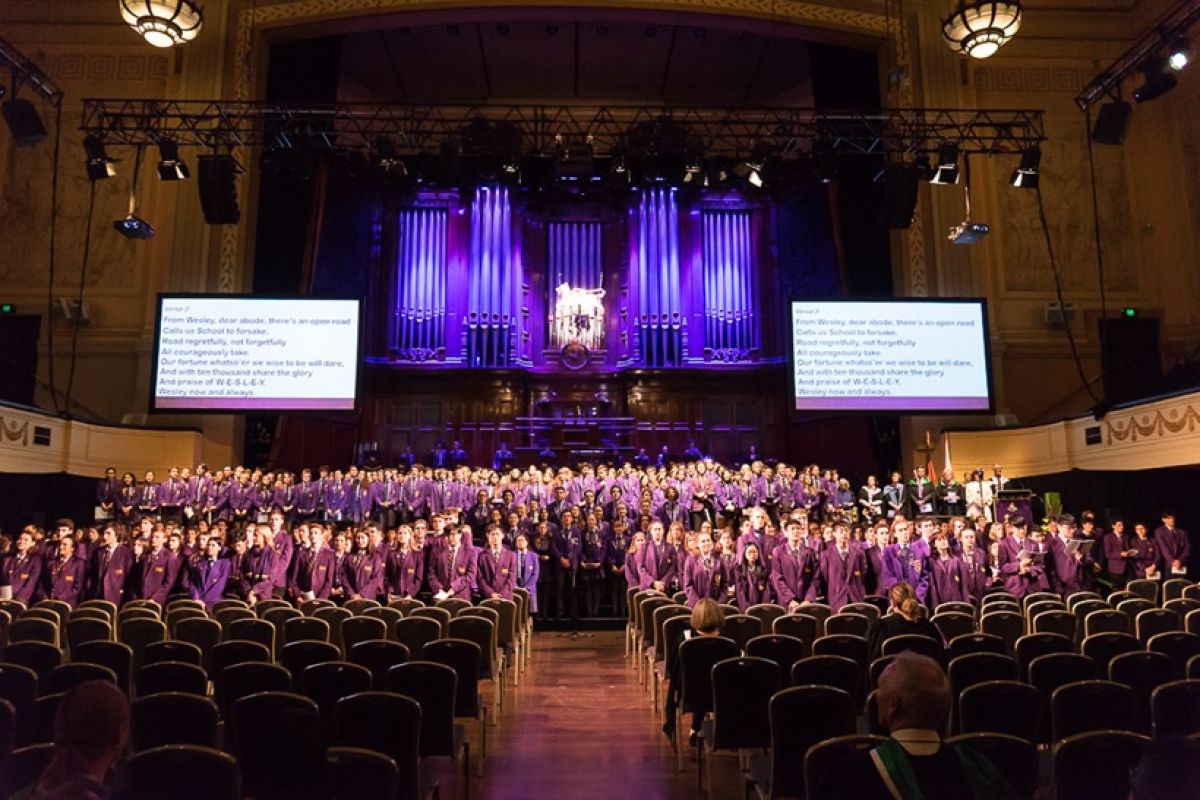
(882, 301)
(358, 363)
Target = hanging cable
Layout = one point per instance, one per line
(53, 250)
(78, 316)
(1095, 213)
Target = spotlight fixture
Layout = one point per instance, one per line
(979, 29)
(163, 23)
(134, 227)
(99, 165)
(1112, 123)
(946, 173)
(170, 166)
(23, 121)
(1025, 176)
(1178, 53)
(1158, 81)
(967, 232)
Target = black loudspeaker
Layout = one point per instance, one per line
(218, 189)
(18, 357)
(1112, 123)
(1131, 359)
(899, 195)
(24, 122)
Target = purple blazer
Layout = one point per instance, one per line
(700, 581)
(793, 577)
(1068, 573)
(657, 563)
(109, 573)
(259, 572)
(314, 573)
(456, 576)
(67, 579)
(947, 581)
(843, 581)
(497, 576)
(363, 574)
(307, 496)
(1010, 567)
(910, 566)
(528, 569)
(1173, 545)
(405, 572)
(754, 586)
(159, 573)
(1113, 545)
(767, 545)
(24, 575)
(977, 576)
(208, 579)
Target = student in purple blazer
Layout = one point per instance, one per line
(615, 551)
(24, 569)
(1019, 560)
(842, 568)
(364, 569)
(947, 575)
(793, 569)
(753, 579)
(259, 572)
(658, 565)
(977, 576)
(107, 489)
(109, 568)
(528, 568)
(1072, 570)
(210, 574)
(454, 566)
(1115, 548)
(704, 574)
(316, 566)
(66, 575)
(758, 534)
(905, 562)
(160, 570)
(405, 569)
(497, 571)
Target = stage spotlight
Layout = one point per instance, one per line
(23, 121)
(134, 227)
(1158, 81)
(1112, 123)
(99, 165)
(1025, 176)
(947, 165)
(170, 167)
(1177, 55)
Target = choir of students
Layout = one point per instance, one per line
(573, 538)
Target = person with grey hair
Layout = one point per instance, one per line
(914, 704)
(91, 729)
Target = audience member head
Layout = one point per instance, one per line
(90, 732)
(707, 617)
(913, 692)
(904, 601)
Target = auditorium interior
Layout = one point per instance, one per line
(561, 309)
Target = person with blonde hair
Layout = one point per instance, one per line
(905, 616)
(707, 619)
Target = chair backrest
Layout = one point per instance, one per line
(66, 676)
(334, 616)
(660, 617)
(820, 612)
(1000, 707)
(388, 615)
(868, 610)
(742, 691)
(1075, 598)
(783, 650)
(172, 718)
(205, 772)
(1063, 623)
(23, 766)
(8, 728)
(405, 605)
(227, 616)
(1143, 672)
(1005, 624)
(953, 624)
(107, 606)
(440, 615)
(1033, 609)
(1047, 673)
(330, 681)
(434, 687)
(1038, 597)
(379, 656)
(1144, 588)
(647, 609)
(483, 633)
(298, 656)
(846, 622)
(1173, 589)
(916, 643)
(170, 676)
(137, 633)
(462, 656)
(385, 722)
(253, 630)
(1134, 606)
(974, 643)
(997, 596)
(227, 654)
(766, 614)
(305, 629)
(824, 756)
(696, 659)
(362, 629)
(1090, 705)
(115, 656)
(974, 668)
(1039, 644)
(801, 626)
(269, 604)
(19, 686)
(1106, 620)
(1175, 709)
(38, 656)
(1179, 646)
(203, 633)
(171, 650)
(453, 605)
(414, 632)
(828, 670)
(88, 629)
(228, 602)
(175, 615)
(506, 631)
(260, 749)
(953, 607)
(800, 717)
(1154, 621)
(246, 678)
(34, 629)
(1096, 765)
(741, 628)
(1103, 647)
(1014, 758)
(130, 611)
(309, 607)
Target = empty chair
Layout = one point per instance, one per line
(38, 656)
(269, 604)
(309, 607)
(89, 613)
(507, 636)
(184, 772)
(1082, 608)
(158, 652)
(227, 616)
(88, 629)
(258, 722)
(137, 633)
(330, 681)
(1193, 668)
(19, 686)
(974, 643)
(482, 632)
(130, 611)
(246, 678)
(916, 643)
(876, 669)
(1000, 707)
(954, 607)
(389, 616)
(1144, 588)
(882, 604)
(854, 648)
(66, 676)
(952, 624)
(253, 630)
(783, 650)
(1039, 644)
(1132, 607)
(1106, 621)
(45, 709)
(176, 603)
(172, 718)
(1154, 621)
(1034, 609)
(170, 676)
(204, 633)
(1014, 758)
(415, 632)
(433, 686)
(1047, 673)
(335, 617)
(405, 605)
(800, 717)
(1173, 589)
(837, 671)
(1063, 623)
(298, 656)
(388, 724)
(229, 602)
(1090, 705)
(1114, 598)
(1104, 647)
(226, 654)
(442, 616)
(107, 606)
(278, 617)
(742, 691)
(378, 656)
(1039, 597)
(1075, 598)
(1097, 765)
(463, 657)
(848, 623)
(305, 629)
(453, 604)
(1175, 709)
(1143, 672)
(826, 755)
(801, 626)
(1005, 624)
(1182, 606)
(355, 773)
(114, 655)
(361, 629)
(1180, 647)
(23, 766)
(177, 615)
(33, 629)
(976, 668)
(766, 613)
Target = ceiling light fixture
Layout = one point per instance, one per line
(163, 23)
(980, 29)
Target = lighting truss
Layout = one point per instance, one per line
(413, 129)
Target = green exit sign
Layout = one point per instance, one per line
(1128, 312)
(7, 308)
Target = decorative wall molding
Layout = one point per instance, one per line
(1156, 425)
